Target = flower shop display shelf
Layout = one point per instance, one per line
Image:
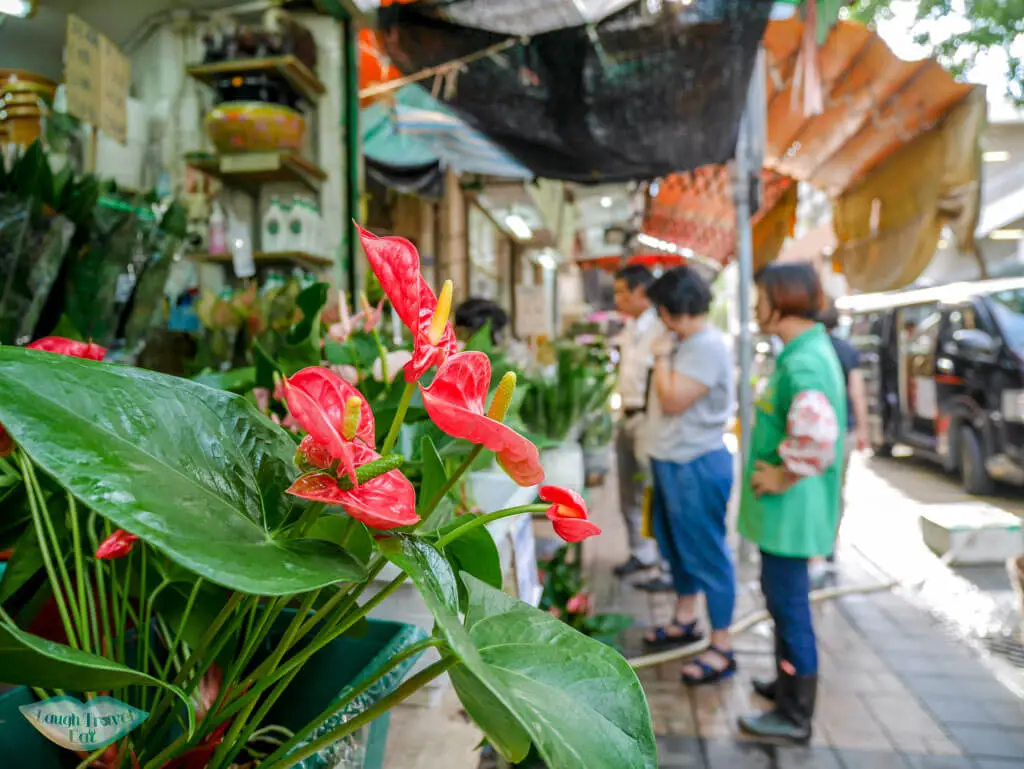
(328, 676)
(493, 490)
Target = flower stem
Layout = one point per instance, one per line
(241, 729)
(396, 424)
(450, 483)
(59, 589)
(355, 690)
(368, 716)
(483, 520)
(79, 561)
(308, 518)
(383, 353)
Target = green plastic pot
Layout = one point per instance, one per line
(326, 677)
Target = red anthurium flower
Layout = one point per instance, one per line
(579, 604)
(117, 545)
(385, 502)
(455, 402)
(568, 514)
(318, 399)
(397, 266)
(6, 443)
(62, 346)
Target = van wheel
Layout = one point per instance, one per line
(973, 474)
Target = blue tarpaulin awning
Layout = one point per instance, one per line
(415, 130)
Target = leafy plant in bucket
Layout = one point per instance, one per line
(195, 561)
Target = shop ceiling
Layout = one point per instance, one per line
(37, 43)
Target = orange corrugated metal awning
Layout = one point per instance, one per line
(875, 105)
(695, 210)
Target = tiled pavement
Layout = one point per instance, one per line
(896, 690)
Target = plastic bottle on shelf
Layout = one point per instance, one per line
(218, 230)
(314, 243)
(298, 222)
(273, 226)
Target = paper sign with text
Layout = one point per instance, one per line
(83, 727)
(97, 78)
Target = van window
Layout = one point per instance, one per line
(1008, 309)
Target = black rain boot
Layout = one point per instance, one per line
(790, 721)
(766, 689)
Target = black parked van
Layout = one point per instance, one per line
(944, 369)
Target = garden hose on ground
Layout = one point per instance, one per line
(754, 618)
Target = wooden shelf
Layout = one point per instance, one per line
(270, 258)
(250, 170)
(297, 74)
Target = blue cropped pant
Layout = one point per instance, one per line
(690, 501)
(786, 587)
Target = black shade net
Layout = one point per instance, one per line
(635, 96)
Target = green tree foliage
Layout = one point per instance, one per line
(959, 30)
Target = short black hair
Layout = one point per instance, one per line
(473, 314)
(793, 288)
(636, 275)
(681, 291)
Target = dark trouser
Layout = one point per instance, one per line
(690, 501)
(631, 492)
(786, 586)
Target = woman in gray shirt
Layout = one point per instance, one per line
(690, 404)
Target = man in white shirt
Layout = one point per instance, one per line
(636, 360)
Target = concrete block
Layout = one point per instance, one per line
(974, 533)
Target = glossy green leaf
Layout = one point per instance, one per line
(302, 344)
(196, 472)
(29, 660)
(27, 558)
(434, 475)
(482, 340)
(525, 676)
(346, 532)
(579, 699)
(239, 380)
(473, 553)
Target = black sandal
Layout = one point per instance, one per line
(710, 675)
(665, 640)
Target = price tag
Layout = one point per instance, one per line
(241, 251)
(532, 315)
(250, 162)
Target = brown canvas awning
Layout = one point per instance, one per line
(901, 133)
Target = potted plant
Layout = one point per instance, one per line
(181, 554)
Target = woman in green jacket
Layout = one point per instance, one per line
(791, 493)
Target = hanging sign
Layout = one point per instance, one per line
(97, 78)
(83, 727)
(532, 317)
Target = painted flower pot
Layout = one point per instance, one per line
(325, 678)
(252, 126)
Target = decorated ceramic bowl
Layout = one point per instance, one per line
(254, 126)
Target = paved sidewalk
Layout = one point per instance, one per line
(896, 690)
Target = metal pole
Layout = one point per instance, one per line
(744, 187)
(745, 263)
